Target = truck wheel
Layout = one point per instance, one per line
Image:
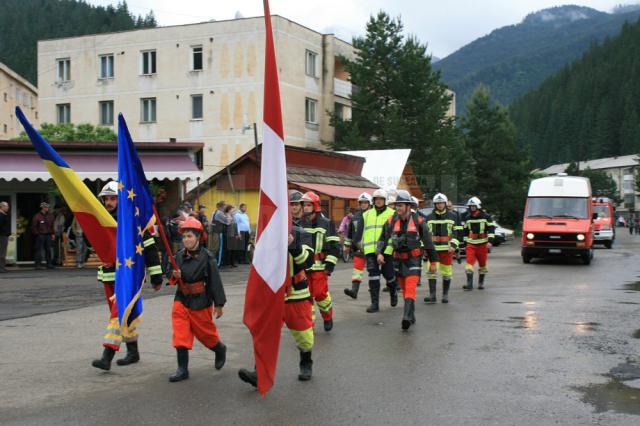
(526, 258)
(608, 244)
(586, 258)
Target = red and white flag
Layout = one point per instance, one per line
(264, 301)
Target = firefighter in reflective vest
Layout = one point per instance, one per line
(408, 236)
(107, 276)
(353, 244)
(479, 231)
(199, 287)
(444, 227)
(298, 304)
(326, 250)
(373, 222)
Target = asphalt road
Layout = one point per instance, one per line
(551, 342)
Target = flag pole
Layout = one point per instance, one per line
(172, 259)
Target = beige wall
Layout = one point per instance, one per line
(231, 82)
(15, 91)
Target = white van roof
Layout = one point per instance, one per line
(560, 186)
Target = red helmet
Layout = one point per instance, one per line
(311, 197)
(191, 223)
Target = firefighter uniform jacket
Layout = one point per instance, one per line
(198, 268)
(325, 242)
(107, 273)
(478, 229)
(354, 233)
(445, 228)
(374, 220)
(300, 258)
(408, 238)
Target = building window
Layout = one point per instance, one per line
(5, 128)
(310, 110)
(148, 110)
(196, 107)
(310, 63)
(106, 66)
(63, 113)
(338, 110)
(64, 69)
(148, 62)
(106, 113)
(196, 58)
(5, 96)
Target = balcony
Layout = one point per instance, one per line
(342, 88)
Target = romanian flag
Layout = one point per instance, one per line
(264, 300)
(135, 218)
(96, 222)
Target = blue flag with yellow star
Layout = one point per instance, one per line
(135, 217)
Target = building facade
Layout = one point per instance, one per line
(199, 82)
(15, 91)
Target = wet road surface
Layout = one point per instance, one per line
(551, 342)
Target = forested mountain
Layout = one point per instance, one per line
(590, 109)
(515, 59)
(24, 22)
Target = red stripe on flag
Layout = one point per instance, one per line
(272, 115)
(102, 238)
(263, 315)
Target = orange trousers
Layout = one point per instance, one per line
(319, 288)
(408, 285)
(188, 324)
(479, 252)
(112, 337)
(359, 263)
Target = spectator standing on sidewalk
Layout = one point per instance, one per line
(244, 229)
(81, 247)
(42, 231)
(5, 232)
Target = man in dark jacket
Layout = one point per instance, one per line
(42, 231)
(5, 232)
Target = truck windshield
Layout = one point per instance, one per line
(557, 207)
(602, 210)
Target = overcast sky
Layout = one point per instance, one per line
(444, 25)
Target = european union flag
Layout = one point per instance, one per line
(135, 217)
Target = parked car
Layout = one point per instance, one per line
(502, 235)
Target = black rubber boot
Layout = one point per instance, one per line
(132, 356)
(182, 373)
(104, 363)
(469, 285)
(328, 325)
(221, 354)
(306, 364)
(375, 298)
(393, 293)
(353, 292)
(446, 284)
(432, 292)
(408, 317)
(250, 377)
(481, 281)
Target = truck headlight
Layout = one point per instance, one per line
(530, 236)
(580, 237)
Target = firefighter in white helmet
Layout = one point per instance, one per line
(479, 231)
(353, 243)
(445, 233)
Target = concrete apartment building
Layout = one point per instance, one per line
(197, 82)
(15, 91)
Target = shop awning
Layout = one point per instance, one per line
(93, 166)
(346, 192)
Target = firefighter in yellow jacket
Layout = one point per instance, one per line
(107, 276)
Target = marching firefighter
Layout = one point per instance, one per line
(296, 206)
(479, 231)
(353, 243)
(107, 276)
(373, 221)
(443, 225)
(408, 236)
(199, 287)
(326, 250)
(298, 308)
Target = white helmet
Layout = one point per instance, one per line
(440, 198)
(415, 201)
(392, 194)
(111, 188)
(365, 197)
(380, 193)
(474, 201)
